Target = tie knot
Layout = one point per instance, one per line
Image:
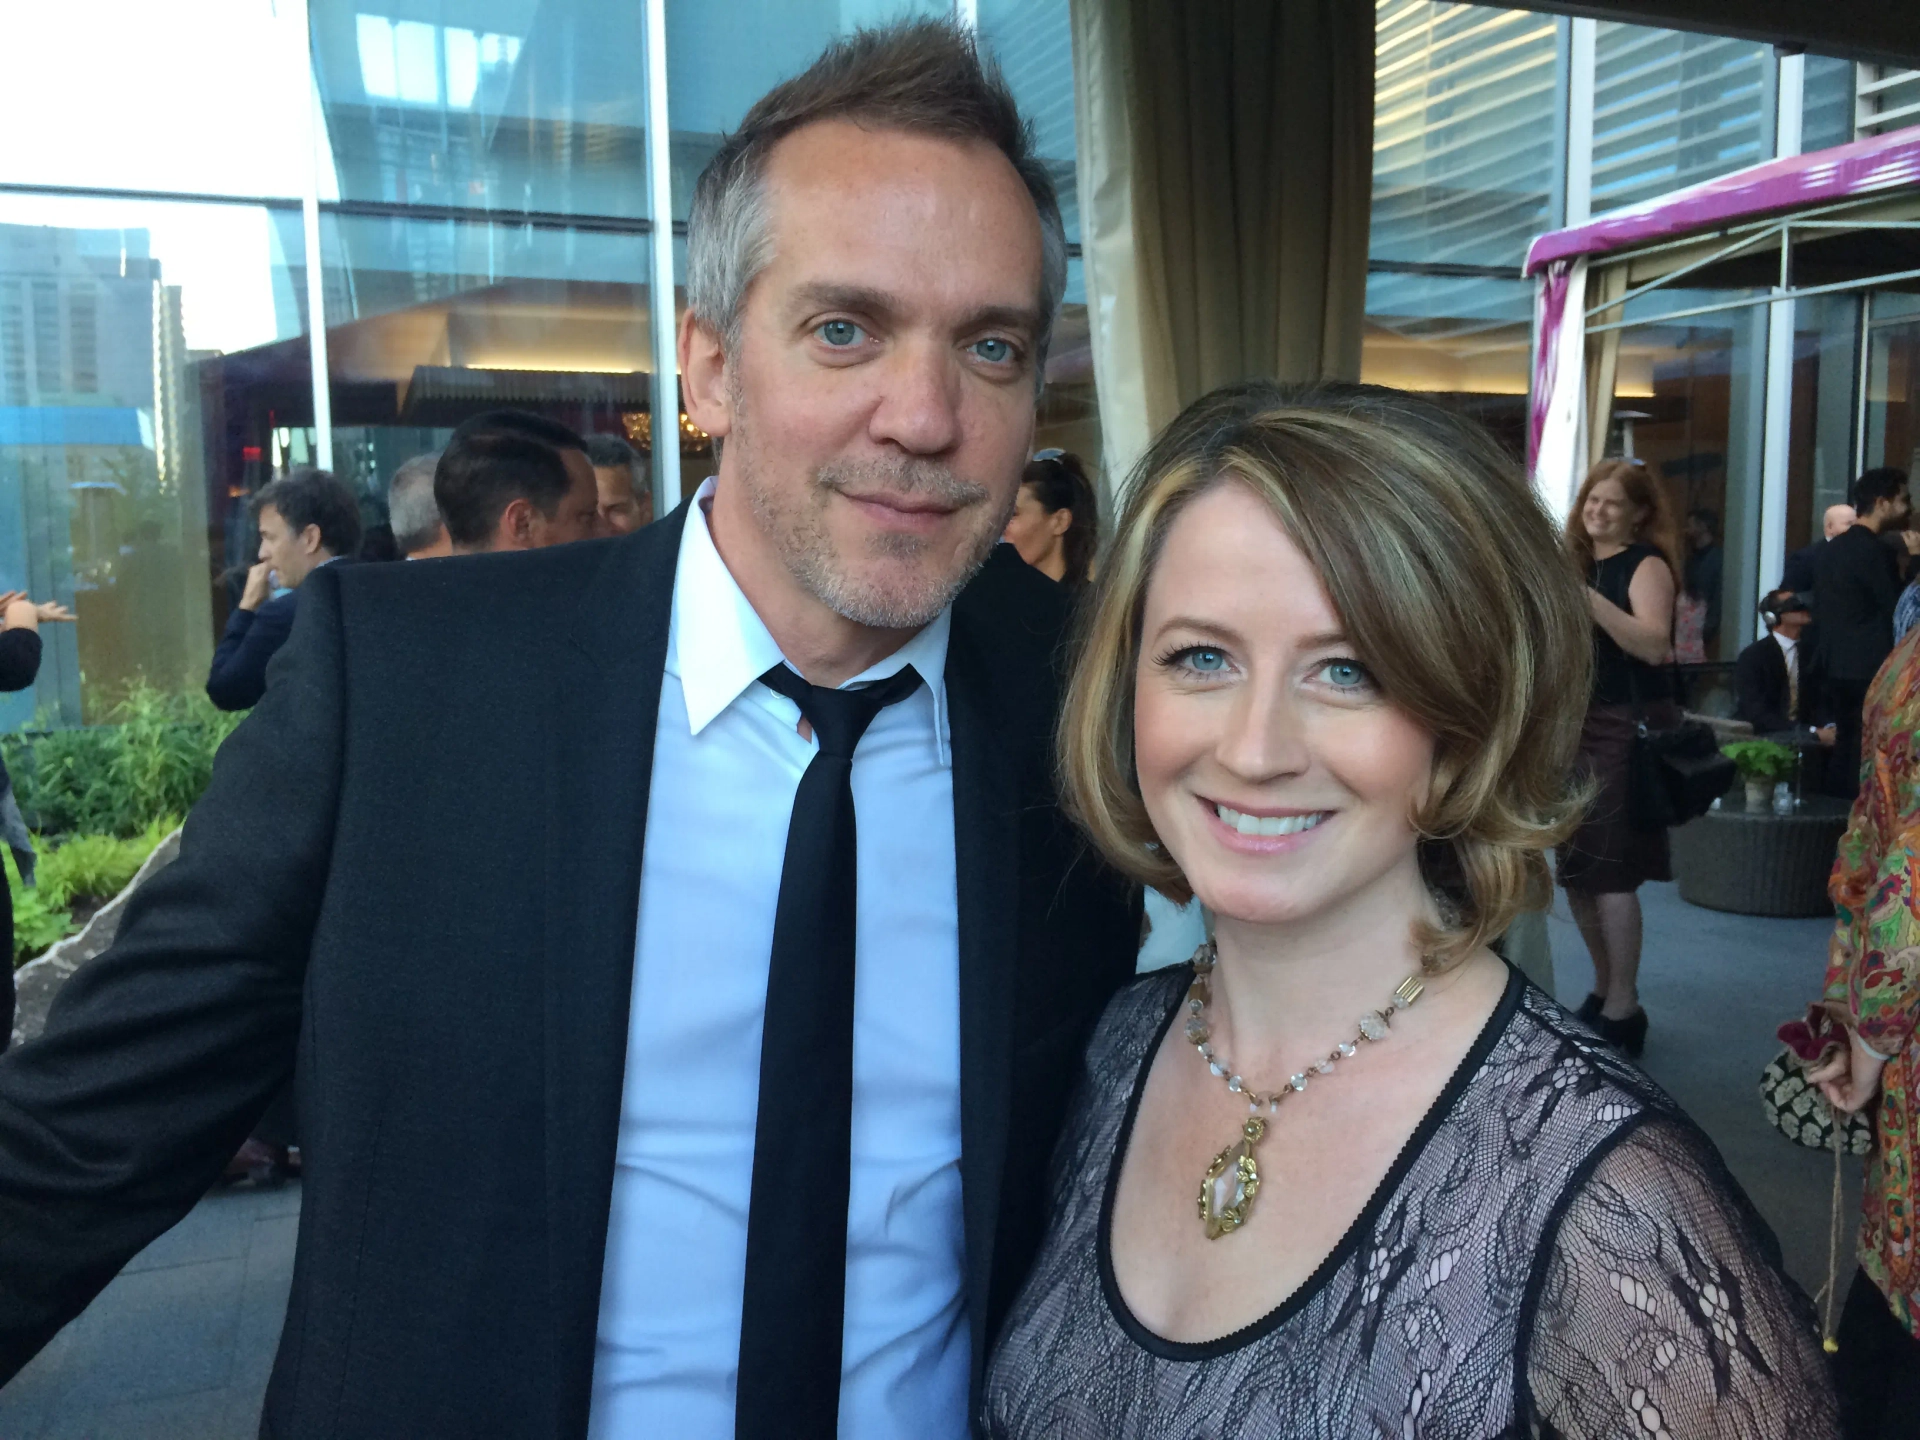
(840, 717)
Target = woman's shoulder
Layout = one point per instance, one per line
(1135, 1016)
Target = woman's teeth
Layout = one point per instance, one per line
(1268, 824)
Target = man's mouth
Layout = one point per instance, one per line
(1267, 825)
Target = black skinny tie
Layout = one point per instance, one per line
(794, 1304)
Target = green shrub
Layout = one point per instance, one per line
(150, 762)
(96, 867)
(1761, 759)
(36, 924)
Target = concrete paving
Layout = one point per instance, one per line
(178, 1347)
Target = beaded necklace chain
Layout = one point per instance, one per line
(1233, 1179)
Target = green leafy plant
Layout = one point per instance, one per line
(1761, 759)
(36, 924)
(96, 867)
(150, 762)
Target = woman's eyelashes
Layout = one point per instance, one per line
(1199, 662)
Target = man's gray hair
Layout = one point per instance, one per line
(411, 508)
(925, 77)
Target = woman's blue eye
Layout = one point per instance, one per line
(838, 333)
(1346, 674)
(1206, 661)
(994, 349)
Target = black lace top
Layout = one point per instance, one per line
(1558, 1251)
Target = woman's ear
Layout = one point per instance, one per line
(1060, 521)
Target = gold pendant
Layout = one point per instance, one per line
(1233, 1179)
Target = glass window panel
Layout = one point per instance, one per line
(1465, 338)
(1689, 401)
(111, 94)
(1826, 374)
(1033, 42)
(431, 321)
(485, 104)
(1466, 105)
(126, 421)
(1672, 108)
(1893, 384)
(723, 55)
(1826, 106)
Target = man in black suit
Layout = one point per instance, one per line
(1856, 586)
(480, 865)
(1773, 687)
(305, 520)
(1797, 575)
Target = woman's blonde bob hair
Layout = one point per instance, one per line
(1455, 593)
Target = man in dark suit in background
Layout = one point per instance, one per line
(305, 520)
(1798, 573)
(509, 480)
(1856, 586)
(1776, 690)
(517, 851)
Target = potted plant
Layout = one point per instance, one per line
(1761, 764)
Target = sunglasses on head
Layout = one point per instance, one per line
(1049, 454)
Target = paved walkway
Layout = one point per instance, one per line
(179, 1346)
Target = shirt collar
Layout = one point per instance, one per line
(1785, 644)
(720, 646)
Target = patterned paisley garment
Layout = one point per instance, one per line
(1557, 1252)
(1873, 966)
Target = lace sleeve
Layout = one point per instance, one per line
(1662, 1311)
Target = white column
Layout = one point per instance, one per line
(661, 303)
(302, 55)
(1580, 86)
(1790, 93)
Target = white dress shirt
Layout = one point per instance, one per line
(727, 760)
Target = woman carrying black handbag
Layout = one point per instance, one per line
(1622, 537)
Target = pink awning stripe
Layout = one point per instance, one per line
(1880, 162)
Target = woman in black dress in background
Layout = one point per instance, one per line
(20, 620)
(1346, 1174)
(1626, 546)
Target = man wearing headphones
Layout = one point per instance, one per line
(1774, 691)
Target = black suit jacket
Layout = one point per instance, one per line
(419, 859)
(1856, 586)
(1761, 690)
(1800, 573)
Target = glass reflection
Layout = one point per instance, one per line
(122, 425)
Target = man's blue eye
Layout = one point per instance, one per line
(839, 333)
(994, 349)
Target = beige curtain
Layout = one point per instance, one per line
(1242, 132)
(1604, 286)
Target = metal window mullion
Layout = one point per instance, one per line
(1581, 73)
(661, 304)
(1839, 287)
(310, 231)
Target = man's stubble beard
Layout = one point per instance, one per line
(909, 597)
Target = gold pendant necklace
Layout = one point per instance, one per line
(1233, 1179)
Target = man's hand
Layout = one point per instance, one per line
(1850, 1078)
(1827, 734)
(259, 586)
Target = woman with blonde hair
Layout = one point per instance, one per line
(1625, 545)
(1345, 1173)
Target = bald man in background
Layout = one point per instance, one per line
(1797, 576)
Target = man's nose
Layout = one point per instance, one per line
(919, 407)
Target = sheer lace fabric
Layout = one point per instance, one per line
(1558, 1252)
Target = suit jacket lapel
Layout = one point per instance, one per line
(604, 708)
(986, 854)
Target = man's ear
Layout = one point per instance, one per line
(310, 540)
(703, 377)
(514, 530)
